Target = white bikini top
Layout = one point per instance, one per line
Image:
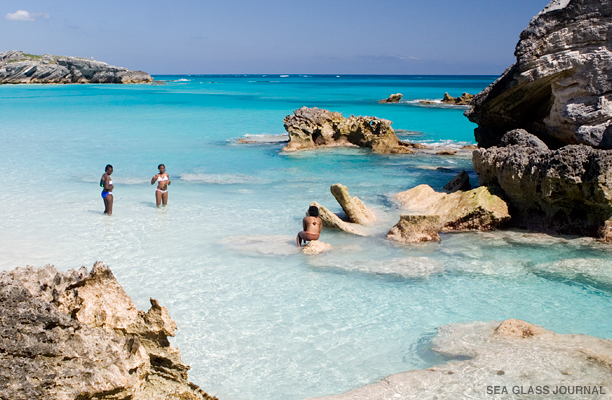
(163, 179)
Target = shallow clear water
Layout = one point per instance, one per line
(256, 318)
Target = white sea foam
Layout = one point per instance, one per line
(220, 179)
(284, 76)
(267, 245)
(266, 138)
(182, 80)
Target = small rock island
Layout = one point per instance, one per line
(17, 67)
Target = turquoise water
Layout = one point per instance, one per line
(257, 318)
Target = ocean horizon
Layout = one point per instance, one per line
(257, 318)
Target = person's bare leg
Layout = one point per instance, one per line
(158, 197)
(108, 202)
(105, 205)
(299, 240)
(164, 197)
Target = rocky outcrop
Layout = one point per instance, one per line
(310, 128)
(525, 359)
(568, 190)
(460, 182)
(464, 100)
(394, 98)
(78, 335)
(416, 229)
(331, 220)
(316, 247)
(559, 89)
(19, 67)
(476, 209)
(355, 210)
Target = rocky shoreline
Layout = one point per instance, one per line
(17, 67)
(78, 335)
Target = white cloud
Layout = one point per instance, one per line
(22, 15)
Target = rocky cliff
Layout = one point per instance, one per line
(19, 67)
(560, 87)
(78, 335)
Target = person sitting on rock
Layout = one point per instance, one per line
(312, 225)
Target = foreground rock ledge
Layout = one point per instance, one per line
(310, 128)
(513, 353)
(18, 67)
(78, 335)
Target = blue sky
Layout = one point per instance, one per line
(273, 36)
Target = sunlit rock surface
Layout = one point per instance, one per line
(78, 335)
(354, 208)
(416, 229)
(514, 354)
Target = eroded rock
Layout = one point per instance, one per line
(316, 247)
(310, 128)
(394, 98)
(460, 182)
(81, 336)
(416, 229)
(464, 100)
(476, 209)
(18, 67)
(354, 208)
(331, 220)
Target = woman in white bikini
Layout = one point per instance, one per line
(163, 180)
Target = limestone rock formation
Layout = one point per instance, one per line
(331, 220)
(355, 210)
(416, 229)
(605, 232)
(464, 100)
(567, 191)
(19, 67)
(316, 247)
(460, 182)
(310, 128)
(560, 86)
(394, 98)
(513, 354)
(476, 209)
(78, 335)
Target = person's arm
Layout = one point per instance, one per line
(154, 179)
(108, 187)
(169, 180)
(304, 224)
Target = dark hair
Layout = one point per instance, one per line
(161, 165)
(313, 211)
(107, 167)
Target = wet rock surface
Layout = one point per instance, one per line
(78, 335)
(559, 88)
(512, 354)
(460, 182)
(331, 220)
(477, 209)
(316, 247)
(18, 67)
(354, 208)
(310, 128)
(394, 98)
(464, 100)
(416, 229)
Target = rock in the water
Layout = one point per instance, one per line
(520, 137)
(464, 100)
(310, 128)
(459, 182)
(316, 247)
(416, 229)
(394, 98)
(476, 209)
(78, 335)
(19, 67)
(567, 191)
(354, 208)
(331, 220)
(513, 354)
(605, 232)
(559, 88)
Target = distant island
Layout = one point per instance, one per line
(18, 67)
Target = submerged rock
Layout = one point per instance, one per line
(310, 128)
(394, 98)
(316, 247)
(513, 354)
(567, 191)
(19, 67)
(476, 209)
(460, 182)
(559, 87)
(354, 208)
(78, 335)
(331, 220)
(416, 229)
